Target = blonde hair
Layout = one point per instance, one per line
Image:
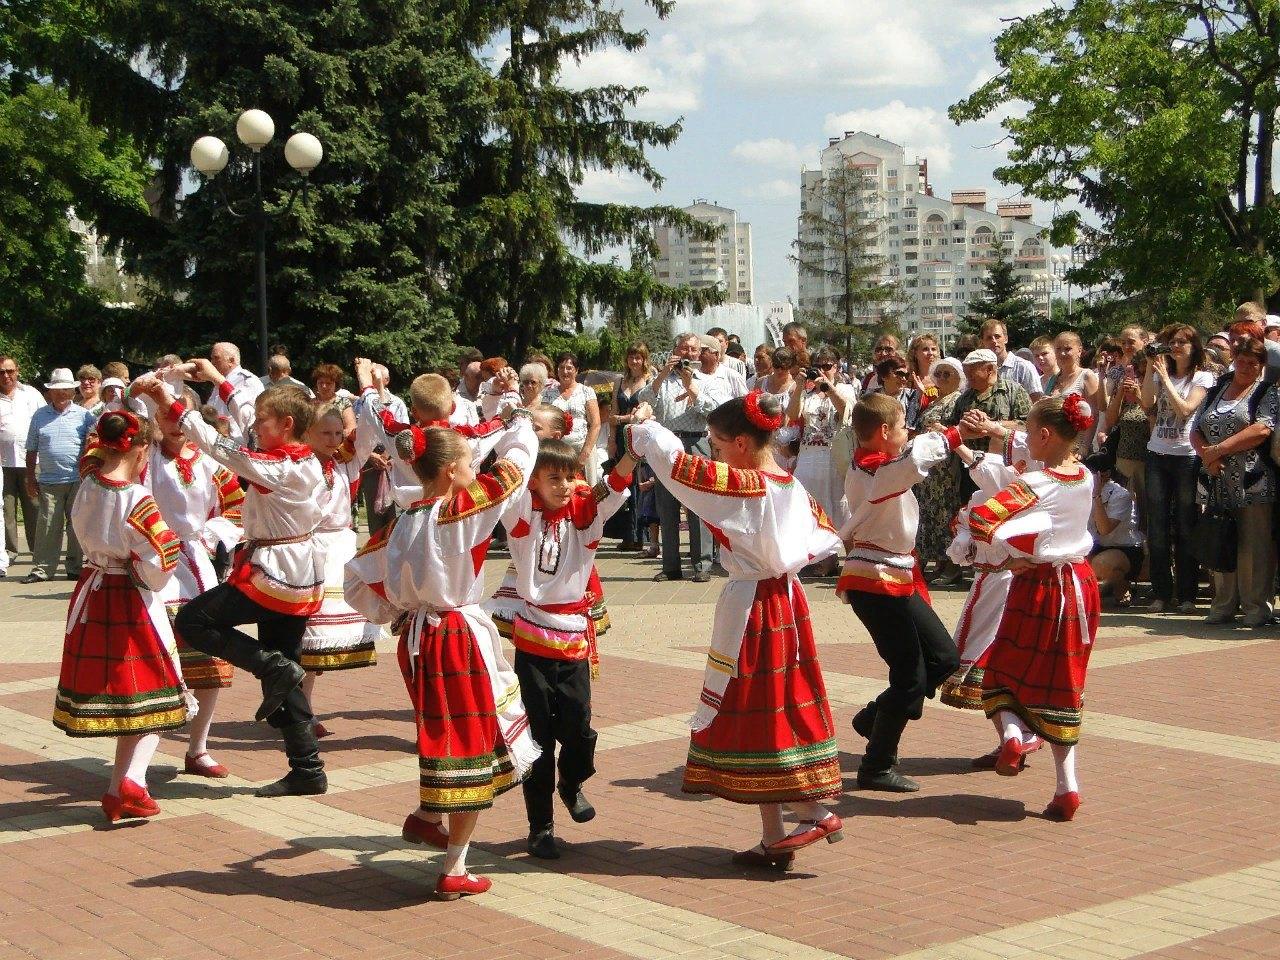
(874, 411)
(430, 396)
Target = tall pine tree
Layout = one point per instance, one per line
(839, 231)
(1002, 299)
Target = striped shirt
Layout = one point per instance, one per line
(58, 439)
(681, 415)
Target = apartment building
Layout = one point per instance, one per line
(725, 261)
(937, 249)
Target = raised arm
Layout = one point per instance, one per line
(469, 517)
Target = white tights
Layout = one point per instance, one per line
(200, 723)
(133, 757)
(1064, 762)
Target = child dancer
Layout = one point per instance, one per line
(120, 675)
(278, 577)
(881, 579)
(553, 530)
(1034, 680)
(762, 733)
(201, 502)
(426, 569)
(336, 637)
(989, 595)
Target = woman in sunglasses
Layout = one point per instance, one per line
(895, 379)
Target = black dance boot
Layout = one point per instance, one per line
(864, 720)
(877, 771)
(306, 776)
(279, 676)
(579, 806)
(542, 844)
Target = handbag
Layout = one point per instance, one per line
(1215, 540)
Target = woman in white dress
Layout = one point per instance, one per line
(579, 401)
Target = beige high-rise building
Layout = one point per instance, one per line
(937, 250)
(698, 263)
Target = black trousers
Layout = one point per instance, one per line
(557, 699)
(208, 623)
(918, 649)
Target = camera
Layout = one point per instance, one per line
(813, 373)
(687, 364)
(1156, 349)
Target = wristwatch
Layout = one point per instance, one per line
(978, 457)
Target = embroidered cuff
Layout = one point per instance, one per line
(629, 445)
(225, 389)
(617, 482)
(953, 437)
(176, 410)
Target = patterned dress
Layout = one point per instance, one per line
(425, 571)
(939, 492)
(120, 673)
(762, 732)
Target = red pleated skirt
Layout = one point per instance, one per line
(1036, 666)
(116, 679)
(773, 740)
(463, 762)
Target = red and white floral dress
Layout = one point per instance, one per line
(120, 673)
(762, 732)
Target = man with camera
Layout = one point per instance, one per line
(681, 396)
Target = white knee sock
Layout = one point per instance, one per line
(1011, 729)
(141, 758)
(455, 859)
(809, 811)
(772, 829)
(1064, 762)
(124, 753)
(200, 724)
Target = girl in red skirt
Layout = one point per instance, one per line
(1035, 671)
(762, 733)
(120, 676)
(425, 571)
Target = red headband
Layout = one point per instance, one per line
(757, 416)
(419, 441)
(124, 442)
(1077, 412)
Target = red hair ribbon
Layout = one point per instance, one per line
(1077, 412)
(757, 416)
(124, 442)
(419, 441)
(568, 422)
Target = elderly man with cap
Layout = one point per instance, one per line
(55, 441)
(1002, 401)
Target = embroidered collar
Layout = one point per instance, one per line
(296, 452)
(425, 503)
(110, 484)
(782, 478)
(870, 460)
(184, 462)
(1067, 478)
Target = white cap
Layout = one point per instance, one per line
(981, 355)
(1272, 321)
(61, 379)
(112, 382)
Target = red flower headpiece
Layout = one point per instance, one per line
(419, 441)
(124, 442)
(1078, 412)
(757, 416)
(568, 423)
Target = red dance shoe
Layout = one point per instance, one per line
(1011, 759)
(417, 830)
(111, 807)
(1063, 807)
(988, 760)
(829, 828)
(464, 885)
(320, 730)
(135, 801)
(215, 770)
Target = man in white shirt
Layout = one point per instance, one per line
(995, 337)
(18, 401)
(472, 377)
(375, 477)
(682, 396)
(711, 356)
(280, 374)
(726, 361)
(226, 359)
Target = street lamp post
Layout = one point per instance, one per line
(302, 151)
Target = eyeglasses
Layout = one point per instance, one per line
(826, 366)
(1179, 342)
(7, 372)
(898, 373)
(885, 349)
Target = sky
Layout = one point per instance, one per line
(761, 84)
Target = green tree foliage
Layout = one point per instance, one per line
(1158, 117)
(839, 228)
(1002, 299)
(53, 156)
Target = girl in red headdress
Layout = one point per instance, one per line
(762, 733)
(120, 675)
(1035, 671)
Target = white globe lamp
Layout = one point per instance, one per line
(255, 128)
(209, 156)
(303, 152)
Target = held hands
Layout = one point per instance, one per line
(508, 380)
(641, 413)
(201, 369)
(364, 372)
(150, 385)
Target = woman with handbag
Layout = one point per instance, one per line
(1238, 487)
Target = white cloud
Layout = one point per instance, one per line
(776, 190)
(613, 186)
(922, 130)
(773, 152)
(668, 67)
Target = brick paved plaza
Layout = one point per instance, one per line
(1175, 853)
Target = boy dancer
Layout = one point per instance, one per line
(881, 579)
(278, 577)
(553, 530)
